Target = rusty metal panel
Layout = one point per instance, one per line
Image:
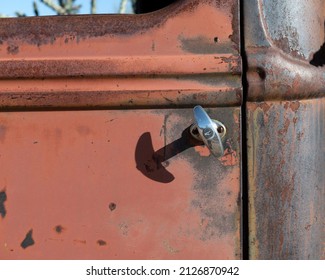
(127, 181)
(286, 155)
(183, 55)
(285, 128)
(86, 185)
(281, 49)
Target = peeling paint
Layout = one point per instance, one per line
(13, 49)
(3, 199)
(202, 45)
(28, 241)
(59, 229)
(101, 242)
(112, 206)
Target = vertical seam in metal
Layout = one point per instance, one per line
(244, 164)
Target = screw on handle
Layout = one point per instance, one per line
(210, 131)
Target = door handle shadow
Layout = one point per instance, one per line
(152, 164)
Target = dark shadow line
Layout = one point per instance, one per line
(244, 165)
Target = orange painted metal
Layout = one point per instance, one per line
(127, 181)
(185, 54)
(78, 185)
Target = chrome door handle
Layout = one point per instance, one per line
(209, 131)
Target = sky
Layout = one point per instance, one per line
(9, 7)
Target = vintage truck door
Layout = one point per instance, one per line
(96, 153)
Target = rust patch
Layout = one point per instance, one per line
(295, 106)
(235, 36)
(284, 44)
(203, 45)
(296, 84)
(229, 157)
(264, 106)
(300, 136)
(287, 193)
(286, 105)
(101, 242)
(285, 128)
(281, 208)
(3, 199)
(45, 30)
(295, 120)
(13, 49)
(59, 229)
(28, 241)
(112, 206)
(215, 222)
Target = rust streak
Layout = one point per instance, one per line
(295, 106)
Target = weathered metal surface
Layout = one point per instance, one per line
(286, 156)
(119, 93)
(279, 44)
(120, 184)
(86, 185)
(183, 55)
(296, 29)
(285, 128)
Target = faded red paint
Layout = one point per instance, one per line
(119, 184)
(166, 58)
(79, 191)
(203, 151)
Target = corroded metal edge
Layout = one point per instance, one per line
(285, 130)
(278, 66)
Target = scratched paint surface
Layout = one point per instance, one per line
(73, 185)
